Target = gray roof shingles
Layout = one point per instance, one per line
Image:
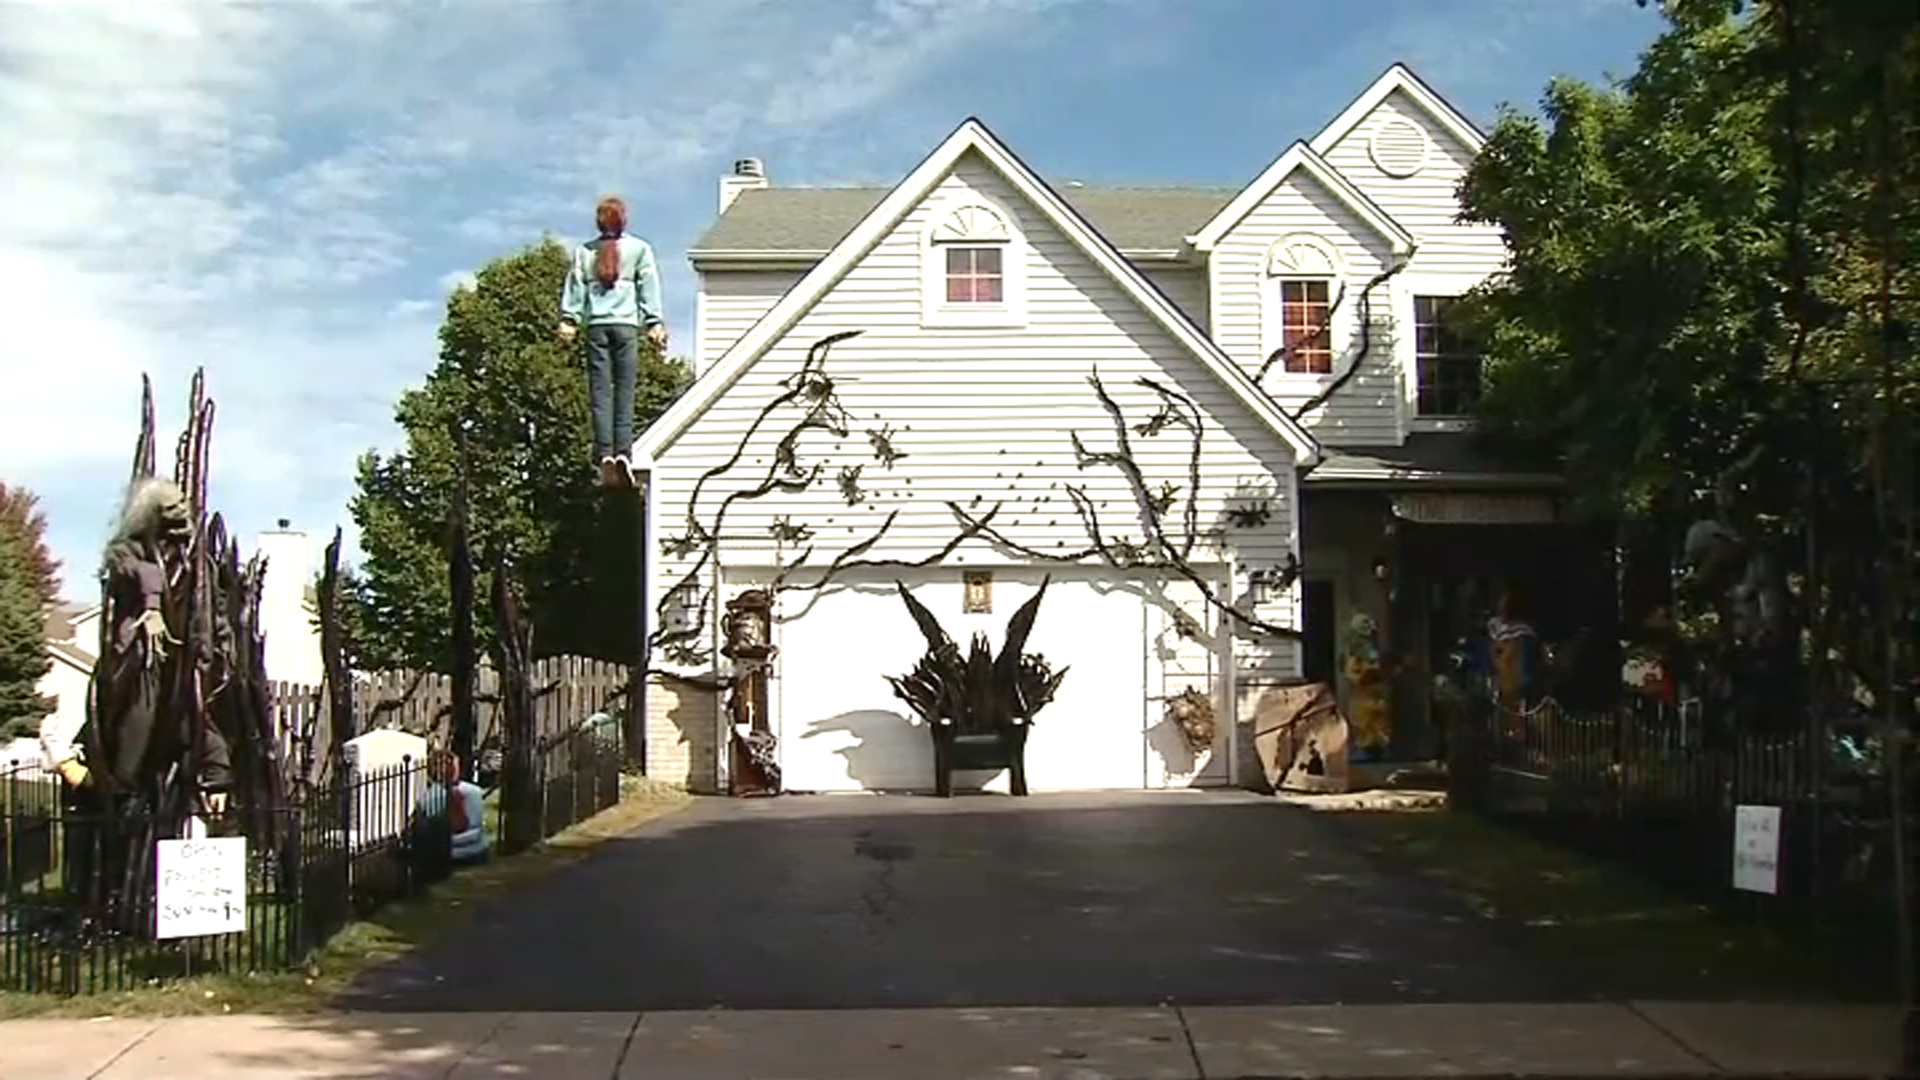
(812, 220)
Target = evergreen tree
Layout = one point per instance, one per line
(29, 583)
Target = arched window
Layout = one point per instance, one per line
(1304, 274)
(972, 268)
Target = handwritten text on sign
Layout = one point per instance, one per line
(200, 887)
(1756, 849)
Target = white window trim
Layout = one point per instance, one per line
(1407, 287)
(935, 310)
(1340, 330)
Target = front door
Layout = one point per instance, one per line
(1317, 646)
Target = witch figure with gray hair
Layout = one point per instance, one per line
(178, 691)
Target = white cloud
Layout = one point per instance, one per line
(274, 192)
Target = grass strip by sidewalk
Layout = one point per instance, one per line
(1605, 926)
(390, 933)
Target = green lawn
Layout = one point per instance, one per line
(1611, 929)
(390, 933)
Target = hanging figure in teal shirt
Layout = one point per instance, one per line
(613, 289)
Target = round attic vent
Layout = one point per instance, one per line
(1398, 147)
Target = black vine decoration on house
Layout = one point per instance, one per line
(1282, 355)
(1157, 550)
(1249, 515)
(681, 640)
(883, 448)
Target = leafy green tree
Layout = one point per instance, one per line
(29, 582)
(520, 396)
(1692, 321)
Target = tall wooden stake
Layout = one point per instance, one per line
(460, 590)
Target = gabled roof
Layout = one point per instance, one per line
(1398, 77)
(1300, 156)
(806, 222)
(970, 137)
(72, 655)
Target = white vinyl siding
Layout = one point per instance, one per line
(1426, 203)
(983, 417)
(729, 303)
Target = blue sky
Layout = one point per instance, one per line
(284, 191)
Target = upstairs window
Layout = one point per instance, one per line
(1303, 282)
(1447, 362)
(974, 275)
(972, 269)
(1304, 332)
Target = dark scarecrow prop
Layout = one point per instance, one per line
(178, 738)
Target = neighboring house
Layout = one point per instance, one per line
(286, 622)
(985, 298)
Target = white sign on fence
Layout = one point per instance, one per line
(1756, 849)
(200, 887)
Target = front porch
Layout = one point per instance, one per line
(1427, 555)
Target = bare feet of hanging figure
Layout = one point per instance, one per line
(613, 290)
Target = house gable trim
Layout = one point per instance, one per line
(1300, 156)
(1399, 77)
(970, 137)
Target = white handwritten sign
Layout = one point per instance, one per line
(200, 887)
(1756, 849)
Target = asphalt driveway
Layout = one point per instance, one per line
(899, 901)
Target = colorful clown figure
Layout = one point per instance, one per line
(1514, 648)
(1367, 689)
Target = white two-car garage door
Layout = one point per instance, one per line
(842, 729)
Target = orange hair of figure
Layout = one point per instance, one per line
(611, 218)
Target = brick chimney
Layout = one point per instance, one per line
(748, 174)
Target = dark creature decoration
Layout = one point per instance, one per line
(178, 737)
(784, 531)
(849, 481)
(1251, 515)
(1751, 662)
(883, 448)
(978, 707)
(1191, 710)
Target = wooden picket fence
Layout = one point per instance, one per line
(567, 690)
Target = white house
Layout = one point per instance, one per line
(985, 299)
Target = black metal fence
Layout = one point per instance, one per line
(1660, 788)
(569, 777)
(80, 892)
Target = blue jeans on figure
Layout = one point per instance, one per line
(613, 354)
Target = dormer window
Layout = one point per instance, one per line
(1304, 333)
(974, 275)
(1303, 288)
(972, 268)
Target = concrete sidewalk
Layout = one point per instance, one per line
(1372, 1041)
